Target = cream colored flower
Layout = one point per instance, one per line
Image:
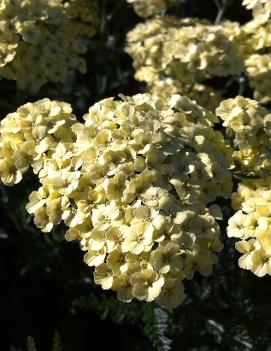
(138, 238)
(146, 285)
(261, 9)
(103, 276)
(167, 258)
(172, 293)
(241, 225)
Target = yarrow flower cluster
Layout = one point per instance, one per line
(248, 125)
(132, 184)
(42, 41)
(251, 225)
(254, 44)
(261, 9)
(148, 8)
(182, 49)
(30, 136)
(136, 182)
(203, 95)
(259, 71)
(188, 51)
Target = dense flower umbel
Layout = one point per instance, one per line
(148, 8)
(251, 225)
(248, 124)
(259, 74)
(187, 50)
(30, 135)
(132, 184)
(261, 9)
(42, 41)
(254, 42)
(202, 94)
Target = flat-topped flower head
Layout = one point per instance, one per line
(251, 225)
(30, 135)
(202, 94)
(187, 50)
(132, 184)
(43, 41)
(248, 125)
(261, 9)
(259, 73)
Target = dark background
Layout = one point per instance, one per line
(45, 286)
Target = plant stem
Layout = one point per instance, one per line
(222, 7)
(220, 15)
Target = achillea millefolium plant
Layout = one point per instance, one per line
(149, 183)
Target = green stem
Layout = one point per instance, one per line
(220, 15)
(222, 7)
(103, 17)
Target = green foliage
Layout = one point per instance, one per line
(30, 344)
(155, 320)
(156, 323)
(107, 307)
(57, 343)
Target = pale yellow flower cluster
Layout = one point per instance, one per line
(251, 225)
(259, 71)
(42, 41)
(261, 9)
(248, 125)
(132, 183)
(183, 49)
(255, 37)
(254, 44)
(148, 8)
(203, 95)
(252, 189)
(30, 135)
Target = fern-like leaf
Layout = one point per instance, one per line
(156, 323)
(109, 308)
(30, 344)
(57, 342)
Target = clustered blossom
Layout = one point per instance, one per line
(255, 37)
(203, 95)
(253, 41)
(259, 72)
(30, 135)
(251, 225)
(43, 41)
(248, 125)
(132, 183)
(261, 9)
(183, 49)
(148, 8)
(136, 182)
(188, 51)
